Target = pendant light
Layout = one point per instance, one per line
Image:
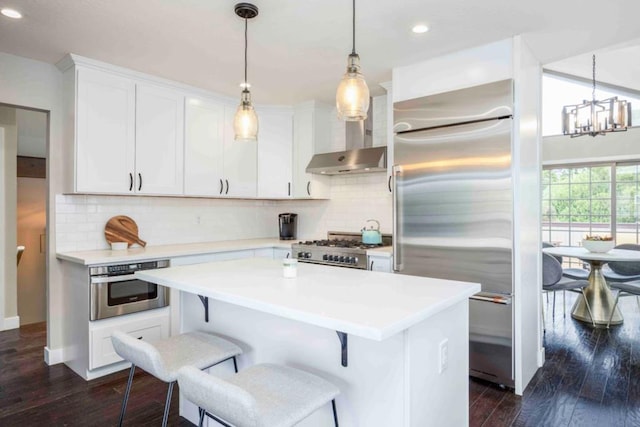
(352, 97)
(245, 122)
(596, 117)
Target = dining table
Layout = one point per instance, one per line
(597, 293)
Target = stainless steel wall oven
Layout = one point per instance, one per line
(115, 291)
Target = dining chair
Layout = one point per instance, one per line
(625, 289)
(264, 395)
(570, 273)
(622, 271)
(553, 281)
(163, 358)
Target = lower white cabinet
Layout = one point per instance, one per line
(148, 326)
(281, 253)
(380, 263)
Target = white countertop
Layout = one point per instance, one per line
(362, 303)
(107, 256)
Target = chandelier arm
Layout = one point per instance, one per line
(593, 93)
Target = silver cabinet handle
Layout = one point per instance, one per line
(221, 186)
(396, 237)
(130, 181)
(371, 267)
(227, 181)
(389, 184)
(309, 188)
(288, 189)
(504, 300)
(139, 181)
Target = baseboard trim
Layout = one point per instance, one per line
(53, 357)
(541, 357)
(11, 323)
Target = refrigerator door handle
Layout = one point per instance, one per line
(397, 265)
(496, 299)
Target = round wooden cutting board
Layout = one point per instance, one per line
(122, 229)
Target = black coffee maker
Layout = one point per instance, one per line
(288, 226)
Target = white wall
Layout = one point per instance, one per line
(28, 83)
(561, 149)
(8, 200)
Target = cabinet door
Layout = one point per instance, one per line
(240, 161)
(105, 133)
(275, 144)
(159, 141)
(303, 151)
(377, 263)
(204, 147)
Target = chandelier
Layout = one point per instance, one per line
(596, 117)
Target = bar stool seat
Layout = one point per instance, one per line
(163, 358)
(263, 395)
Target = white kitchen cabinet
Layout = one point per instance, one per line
(240, 161)
(389, 133)
(275, 145)
(150, 326)
(159, 140)
(105, 132)
(380, 263)
(281, 253)
(204, 148)
(311, 129)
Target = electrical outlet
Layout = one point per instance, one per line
(444, 355)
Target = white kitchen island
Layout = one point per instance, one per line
(406, 352)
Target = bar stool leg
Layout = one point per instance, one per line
(201, 418)
(167, 405)
(335, 414)
(235, 364)
(125, 399)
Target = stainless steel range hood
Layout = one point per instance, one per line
(360, 155)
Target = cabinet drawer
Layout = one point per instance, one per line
(101, 352)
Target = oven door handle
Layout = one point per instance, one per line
(112, 279)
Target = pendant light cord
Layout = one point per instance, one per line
(593, 93)
(353, 51)
(245, 53)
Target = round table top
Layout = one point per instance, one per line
(581, 253)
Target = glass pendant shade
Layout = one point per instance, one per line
(245, 122)
(352, 97)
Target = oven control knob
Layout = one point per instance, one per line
(307, 255)
(330, 257)
(341, 259)
(325, 257)
(351, 260)
(300, 255)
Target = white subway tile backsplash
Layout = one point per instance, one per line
(80, 220)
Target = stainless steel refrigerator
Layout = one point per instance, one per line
(453, 208)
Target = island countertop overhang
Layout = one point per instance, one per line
(362, 303)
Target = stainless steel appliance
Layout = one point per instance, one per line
(288, 225)
(339, 249)
(453, 208)
(114, 290)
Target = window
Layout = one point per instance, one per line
(591, 199)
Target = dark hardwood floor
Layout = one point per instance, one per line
(590, 378)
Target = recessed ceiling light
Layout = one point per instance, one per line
(11, 13)
(420, 28)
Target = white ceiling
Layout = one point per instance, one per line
(298, 49)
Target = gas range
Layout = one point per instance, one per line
(340, 249)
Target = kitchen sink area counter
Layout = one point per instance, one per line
(108, 256)
(401, 341)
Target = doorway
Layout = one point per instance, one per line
(25, 215)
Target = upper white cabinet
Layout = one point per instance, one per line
(311, 127)
(105, 133)
(240, 161)
(129, 136)
(275, 145)
(204, 148)
(159, 140)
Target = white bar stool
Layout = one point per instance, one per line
(260, 396)
(164, 358)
